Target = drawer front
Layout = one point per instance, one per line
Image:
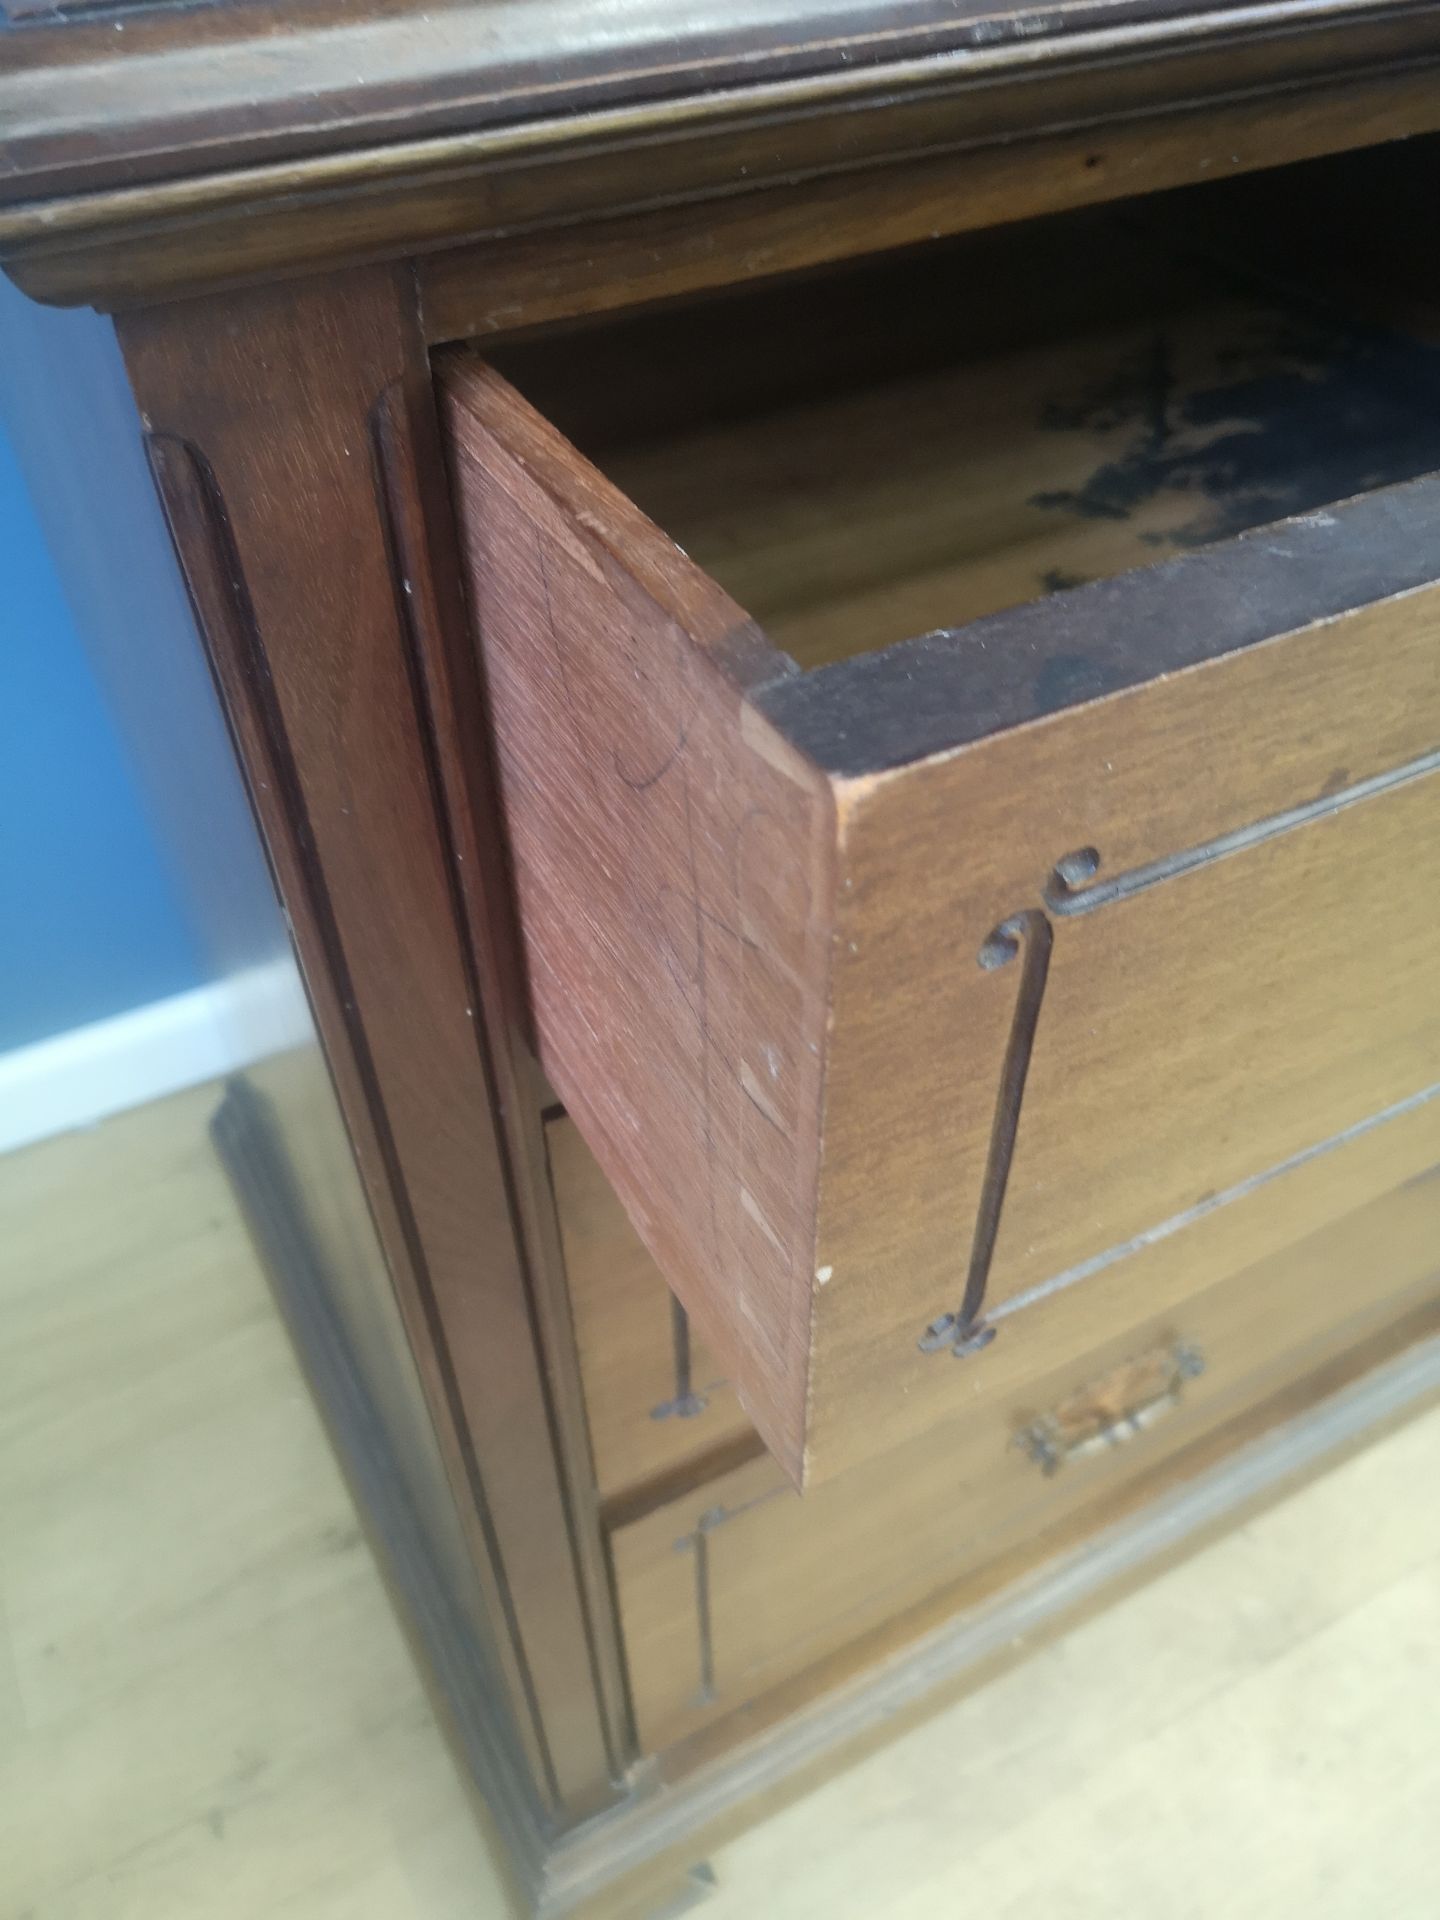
(902, 994)
(742, 1584)
(625, 1324)
(655, 1393)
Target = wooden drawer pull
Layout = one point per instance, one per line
(1111, 1410)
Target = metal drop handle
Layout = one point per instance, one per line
(1116, 1408)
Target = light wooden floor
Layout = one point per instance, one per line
(207, 1712)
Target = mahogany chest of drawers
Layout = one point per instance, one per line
(833, 622)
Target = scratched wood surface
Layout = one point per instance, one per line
(742, 1584)
(671, 866)
(1035, 1054)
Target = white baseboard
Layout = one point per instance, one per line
(85, 1075)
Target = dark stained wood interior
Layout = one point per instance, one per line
(869, 455)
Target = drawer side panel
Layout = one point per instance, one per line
(672, 861)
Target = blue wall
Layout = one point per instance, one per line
(129, 866)
(93, 918)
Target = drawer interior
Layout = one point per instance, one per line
(912, 444)
(1035, 928)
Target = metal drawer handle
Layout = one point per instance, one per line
(1107, 1412)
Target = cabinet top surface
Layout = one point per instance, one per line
(118, 122)
(94, 96)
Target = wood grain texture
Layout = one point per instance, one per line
(208, 1668)
(1122, 395)
(670, 863)
(646, 1426)
(736, 837)
(1240, 1663)
(1192, 1036)
(193, 151)
(934, 186)
(271, 77)
(789, 1581)
(1209, 731)
(624, 1334)
(260, 415)
(421, 528)
(890, 1681)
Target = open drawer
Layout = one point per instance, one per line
(898, 994)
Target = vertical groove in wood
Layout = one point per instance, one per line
(275, 394)
(409, 463)
(215, 581)
(704, 1623)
